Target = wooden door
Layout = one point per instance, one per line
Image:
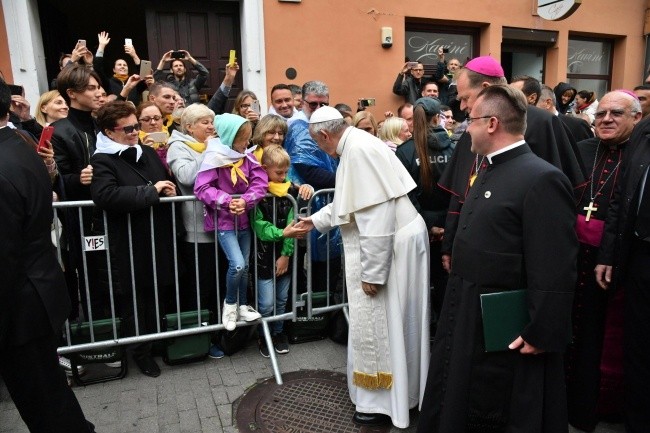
(207, 29)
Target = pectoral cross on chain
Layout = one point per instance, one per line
(591, 208)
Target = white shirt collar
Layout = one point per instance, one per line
(489, 156)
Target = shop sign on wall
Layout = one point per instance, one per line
(556, 10)
(423, 46)
(588, 57)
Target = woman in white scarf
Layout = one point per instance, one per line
(128, 181)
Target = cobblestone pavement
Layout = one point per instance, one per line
(194, 397)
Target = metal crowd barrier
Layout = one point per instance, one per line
(94, 241)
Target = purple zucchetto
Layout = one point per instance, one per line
(485, 65)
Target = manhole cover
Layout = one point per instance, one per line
(308, 402)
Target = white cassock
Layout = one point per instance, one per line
(385, 242)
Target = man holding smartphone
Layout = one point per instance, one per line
(187, 86)
(409, 82)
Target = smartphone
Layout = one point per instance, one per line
(178, 55)
(367, 102)
(16, 89)
(81, 42)
(232, 58)
(128, 41)
(445, 50)
(411, 65)
(158, 137)
(45, 136)
(256, 106)
(145, 68)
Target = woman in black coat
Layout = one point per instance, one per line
(129, 179)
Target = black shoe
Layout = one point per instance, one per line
(371, 419)
(264, 350)
(281, 343)
(147, 366)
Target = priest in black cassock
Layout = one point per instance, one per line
(624, 260)
(516, 231)
(617, 114)
(544, 134)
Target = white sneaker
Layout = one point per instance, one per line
(67, 366)
(248, 313)
(229, 316)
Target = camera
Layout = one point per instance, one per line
(445, 50)
(367, 102)
(178, 55)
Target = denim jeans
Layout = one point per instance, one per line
(265, 299)
(236, 245)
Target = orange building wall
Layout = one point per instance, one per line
(5, 61)
(338, 41)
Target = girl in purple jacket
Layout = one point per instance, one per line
(229, 169)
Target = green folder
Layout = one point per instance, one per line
(505, 315)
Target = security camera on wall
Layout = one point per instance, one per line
(386, 37)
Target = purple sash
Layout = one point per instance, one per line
(590, 232)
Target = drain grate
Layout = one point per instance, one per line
(308, 402)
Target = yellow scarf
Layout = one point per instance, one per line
(121, 77)
(236, 171)
(196, 146)
(258, 153)
(169, 120)
(279, 189)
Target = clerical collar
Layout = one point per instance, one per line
(343, 139)
(615, 145)
(504, 149)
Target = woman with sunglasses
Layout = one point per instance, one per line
(152, 131)
(128, 181)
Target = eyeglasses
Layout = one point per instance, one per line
(273, 133)
(128, 129)
(150, 118)
(471, 119)
(616, 114)
(314, 105)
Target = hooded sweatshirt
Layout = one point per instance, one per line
(225, 172)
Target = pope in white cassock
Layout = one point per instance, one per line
(386, 250)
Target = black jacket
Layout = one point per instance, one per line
(34, 300)
(409, 88)
(432, 205)
(268, 252)
(74, 142)
(119, 187)
(619, 226)
(188, 87)
(113, 86)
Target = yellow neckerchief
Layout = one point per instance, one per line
(258, 153)
(236, 171)
(168, 122)
(279, 189)
(121, 77)
(196, 146)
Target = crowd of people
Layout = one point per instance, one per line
(473, 187)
